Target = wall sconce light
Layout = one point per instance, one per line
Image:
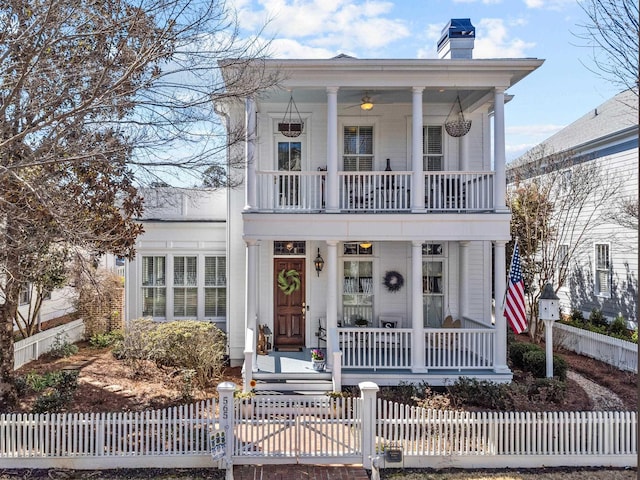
(319, 263)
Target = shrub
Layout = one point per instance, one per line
(618, 328)
(58, 387)
(535, 361)
(576, 317)
(597, 319)
(634, 335)
(547, 390)
(61, 347)
(103, 340)
(184, 344)
(517, 350)
(481, 393)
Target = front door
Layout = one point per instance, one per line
(288, 299)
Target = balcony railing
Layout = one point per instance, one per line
(375, 191)
(445, 348)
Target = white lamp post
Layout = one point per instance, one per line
(549, 312)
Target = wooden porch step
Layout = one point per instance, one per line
(282, 376)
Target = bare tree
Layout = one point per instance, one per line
(612, 33)
(557, 201)
(96, 98)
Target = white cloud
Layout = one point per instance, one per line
(288, 48)
(484, 2)
(549, 4)
(333, 25)
(493, 40)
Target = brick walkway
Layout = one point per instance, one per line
(298, 472)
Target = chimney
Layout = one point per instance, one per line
(457, 39)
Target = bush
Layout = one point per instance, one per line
(576, 318)
(103, 340)
(61, 347)
(547, 390)
(481, 393)
(535, 361)
(184, 344)
(517, 350)
(618, 328)
(597, 319)
(58, 387)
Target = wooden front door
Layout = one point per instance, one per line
(289, 303)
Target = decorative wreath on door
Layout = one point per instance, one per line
(289, 281)
(393, 281)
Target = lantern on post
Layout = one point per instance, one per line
(549, 312)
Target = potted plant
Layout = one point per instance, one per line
(317, 360)
(361, 322)
(246, 399)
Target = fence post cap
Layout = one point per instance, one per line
(226, 387)
(368, 386)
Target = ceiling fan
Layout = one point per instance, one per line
(366, 103)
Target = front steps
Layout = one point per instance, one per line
(312, 383)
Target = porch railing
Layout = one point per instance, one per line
(445, 348)
(374, 191)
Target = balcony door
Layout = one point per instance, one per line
(289, 167)
(289, 302)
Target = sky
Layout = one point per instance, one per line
(556, 94)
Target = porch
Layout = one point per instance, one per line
(381, 354)
(375, 191)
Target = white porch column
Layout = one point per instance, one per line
(251, 301)
(417, 177)
(500, 184)
(332, 201)
(250, 154)
(464, 286)
(417, 310)
(463, 145)
(332, 299)
(499, 286)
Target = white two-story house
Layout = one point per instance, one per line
(371, 222)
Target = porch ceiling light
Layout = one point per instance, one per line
(365, 244)
(366, 104)
(319, 263)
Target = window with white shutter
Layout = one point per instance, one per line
(358, 149)
(154, 291)
(185, 286)
(603, 270)
(215, 287)
(432, 148)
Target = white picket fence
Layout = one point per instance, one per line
(621, 354)
(287, 429)
(172, 437)
(442, 439)
(31, 348)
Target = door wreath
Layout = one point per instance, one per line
(289, 281)
(393, 281)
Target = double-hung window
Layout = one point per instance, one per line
(154, 290)
(215, 286)
(185, 286)
(358, 149)
(603, 273)
(432, 149)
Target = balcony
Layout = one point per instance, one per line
(375, 192)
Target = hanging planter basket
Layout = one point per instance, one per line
(459, 127)
(291, 126)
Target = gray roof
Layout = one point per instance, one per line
(617, 114)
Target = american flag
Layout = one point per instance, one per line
(514, 308)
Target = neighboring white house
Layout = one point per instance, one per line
(604, 268)
(361, 224)
(180, 268)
